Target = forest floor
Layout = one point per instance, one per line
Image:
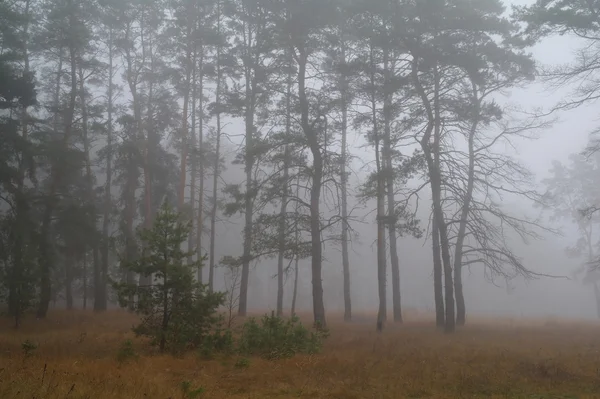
(541, 359)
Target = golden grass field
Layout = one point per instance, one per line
(76, 358)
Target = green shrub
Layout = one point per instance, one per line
(126, 352)
(220, 341)
(28, 348)
(188, 392)
(275, 338)
(242, 363)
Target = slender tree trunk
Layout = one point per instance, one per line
(44, 247)
(101, 304)
(56, 100)
(389, 177)
(284, 195)
(131, 250)
(344, 190)
(85, 281)
(381, 247)
(16, 284)
(297, 243)
(436, 185)
(184, 124)
(466, 208)
(46, 256)
(201, 154)
(213, 212)
(216, 167)
(431, 153)
(130, 200)
(98, 281)
(69, 260)
(282, 232)
(194, 162)
(250, 194)
(165, 315)
(315, 195)
(130, 243)
(438, 287)
(148, 139)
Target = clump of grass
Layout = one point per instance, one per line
(126, 352)
(28, 348)
(190, 393)
(242, 363)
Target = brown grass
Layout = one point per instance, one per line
(76, 358)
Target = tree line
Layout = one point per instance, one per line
(110, 108)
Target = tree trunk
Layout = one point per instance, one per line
(297, 243)
(184, 125)
(149, 141)
(98, 281)
(194, 162)
(130, 200)
(381, 247)
(389, 177)
(438, 287)
(69, 260)
(432, 158)
(101, 304)
(466, 208)
(282, 232)
(344, 191)
(200, 226)
(436, 188)
(16, 284)
(284, 196)
(46, 257)
(85, 281)
(250, 192)
(315, 195)
(165, 315)
(213, 213)
(130, 206)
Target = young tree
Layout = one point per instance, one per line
(176, 311)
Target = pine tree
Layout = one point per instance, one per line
(176, 312)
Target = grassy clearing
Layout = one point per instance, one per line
(77, 357)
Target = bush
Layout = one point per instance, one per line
(190, 393)
(126, 352)
(220, 341)
(275, 338)
(28, 348)
(242, 363)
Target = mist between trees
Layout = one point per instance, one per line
(309, 142)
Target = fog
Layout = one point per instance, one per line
(541, 297)
(554, 292)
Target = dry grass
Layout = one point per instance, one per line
(76, 358)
